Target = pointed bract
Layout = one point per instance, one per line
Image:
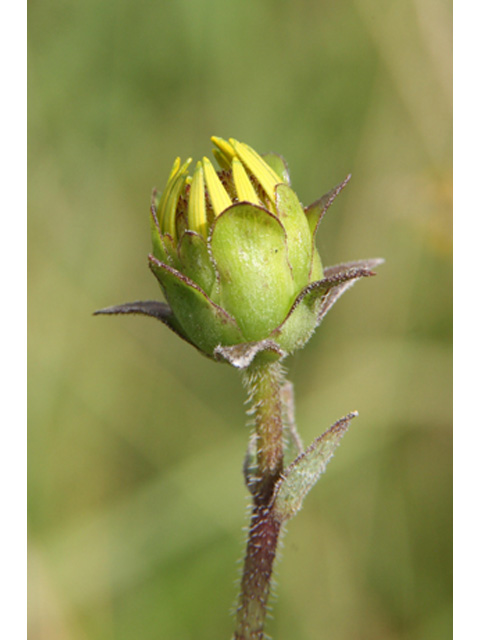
(204, 323)
(317, 209)
(302, 474)
(158, 310)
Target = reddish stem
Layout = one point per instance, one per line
(264, 386)
(261, 548)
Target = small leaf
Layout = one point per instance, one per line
(306, 469)
(291, 435)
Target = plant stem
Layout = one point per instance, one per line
(264, 383)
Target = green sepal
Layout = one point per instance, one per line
(163, 247)
(153, 308)
(341, 277)
(279, 165)
(170, 245)
(196, 263)
(303, 316)
(316, 267)
(302, 474)
(158, 247)
(204, 323)
(317, 209)
(299, 238)
(314, 213)
(249, 249)
(298, 326)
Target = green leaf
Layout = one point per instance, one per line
(249, 249)
(205, 324)
(306, 469)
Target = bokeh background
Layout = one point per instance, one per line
(136, 501)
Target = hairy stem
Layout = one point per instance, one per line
(264, 384)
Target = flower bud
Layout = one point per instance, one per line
(234, 253)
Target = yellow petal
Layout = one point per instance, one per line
(197, 213)
(222, 160)
(243, 186)
(258, 167)
(225, 147)
(218, 196)
(169, 200)
(174, 170)
(164, 195)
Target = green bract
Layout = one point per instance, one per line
(234, 253)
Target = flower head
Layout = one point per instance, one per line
(234, 253)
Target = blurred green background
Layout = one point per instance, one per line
(136, 500)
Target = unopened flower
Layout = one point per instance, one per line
(234, 253)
